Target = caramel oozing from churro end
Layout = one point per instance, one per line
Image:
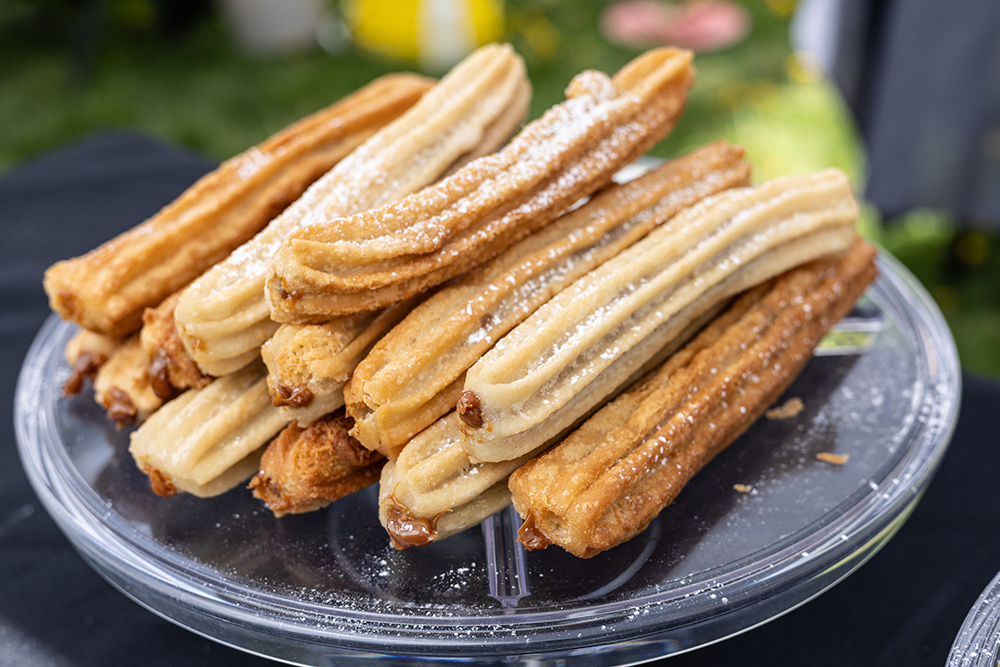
(269, 491)
(159, 378)
(160, 483)
(530, 536)
(306, 468)
(171, 368)
(406, 530)
(298, 396)
(120, 407)
(470, 410)
(84, 368)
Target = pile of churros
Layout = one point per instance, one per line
(409, 288)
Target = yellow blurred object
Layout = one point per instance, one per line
(803, 67)
(973, 248)
(434, 33)
(782, 8)
(542, 37)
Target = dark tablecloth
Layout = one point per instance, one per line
(904, 607)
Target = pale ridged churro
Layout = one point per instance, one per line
(432, 490)
(309, 364)
(86, 352)
(107, 289)
(378, 257)
(607, 480)
(414, 375)
(601, 331)
(122, 385)
(206, 441)
(224, 318)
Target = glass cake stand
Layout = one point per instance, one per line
(978, 641)
(326, 587)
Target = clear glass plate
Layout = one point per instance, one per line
(978, 641)
(326, 587)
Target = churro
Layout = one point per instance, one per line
(85, 353)
(122, 386)
(607, 480)
(206, 441)
(432, 490)
(414, 375)
(107, 289)
(224, 318)
(375, 258)
(171, 368)
(305, 469)
(600, 332)
(309, 364)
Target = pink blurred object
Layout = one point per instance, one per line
(700, 25)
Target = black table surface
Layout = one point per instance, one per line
(904, 607)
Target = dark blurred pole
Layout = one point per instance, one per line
(923, 79)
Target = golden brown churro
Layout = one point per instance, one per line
(608, 479)
(171, 368)
(224, 318)
(414, 375)
(107, 289)
(378, 257)
(602, 330)
(305, 469)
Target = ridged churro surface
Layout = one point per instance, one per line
(374, 258)
(414, 375)
(305, 469)
(122, 385)
(309, 364)
(108, 289)
(85, 353)
(171, 368)
(208, 440)
(607, 480)
(435, 489)
(593, 336)
(224, 317)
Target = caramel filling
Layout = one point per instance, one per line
(269, 491)
(469, 409)
(159, 378)
(297, 397)
(529, 535)
(86, 367)
(120, 407)
(159, 482)
(406, 530)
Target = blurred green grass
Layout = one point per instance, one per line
(194, 89)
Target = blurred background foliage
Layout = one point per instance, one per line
(169, 68)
